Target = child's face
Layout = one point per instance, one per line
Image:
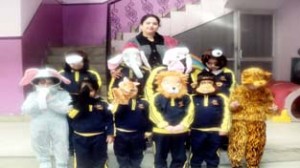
(93, 93)
(45, 82)
(212, 64)
(77, 66)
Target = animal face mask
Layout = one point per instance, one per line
(171, 84)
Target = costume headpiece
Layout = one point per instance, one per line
(32, 75)
(73, 59)
(133, 58)
(178, 59)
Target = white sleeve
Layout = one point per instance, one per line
(60, 103)
(30, 105)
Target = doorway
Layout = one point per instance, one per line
(253, 36)
(245, 38)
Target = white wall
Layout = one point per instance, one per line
(10, 18)
(28, 9)
(15, 15)
(287, 38)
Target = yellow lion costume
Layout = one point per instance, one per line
(171, 113)
(250, 104)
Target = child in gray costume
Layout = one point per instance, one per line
(47, 106)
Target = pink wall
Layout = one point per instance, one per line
(45, 30)
(11, 73)
(84, 24)
(287, 30)
(52, 25)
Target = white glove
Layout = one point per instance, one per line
(42, 97)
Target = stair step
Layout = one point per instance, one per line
(165, 26)
(100, 68)
(61, 59)
(178, 20)
(57, 66)
(194, 14)
(118, 46)
(90, 50)
(127, 36)
(212, 9)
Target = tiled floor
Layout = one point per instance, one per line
(282, 149)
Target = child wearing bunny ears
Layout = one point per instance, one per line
(47, 105)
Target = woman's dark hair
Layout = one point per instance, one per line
(84, 55)
(149, 16)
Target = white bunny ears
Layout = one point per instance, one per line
(34, 73)
(173, 57)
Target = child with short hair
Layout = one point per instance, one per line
(132, 124)
(77, 69)
(93, 126)
(215, 62)
(211, 122)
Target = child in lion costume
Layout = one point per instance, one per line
(172, 113)
(250, 104)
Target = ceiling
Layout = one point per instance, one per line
(81, 1)
(254, 4)
(232, 4)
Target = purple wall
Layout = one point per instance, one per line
(55, 25)
(11, 73)
(44, 30)
(84, 24)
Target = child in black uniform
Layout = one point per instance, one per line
(211, 122)
(132, 127)
(93, 126)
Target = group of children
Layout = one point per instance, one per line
(173, 120)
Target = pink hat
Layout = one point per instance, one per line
(34, 73)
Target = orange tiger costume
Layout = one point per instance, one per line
(250, 103)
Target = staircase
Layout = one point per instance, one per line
(173, 23)
(96, 56)
(178, 21)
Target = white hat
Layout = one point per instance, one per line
(73, 59)
(216, 53)
(32, 74)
